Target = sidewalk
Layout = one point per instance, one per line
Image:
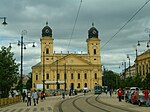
(113, 100)
(43, 106)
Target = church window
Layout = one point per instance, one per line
(85, 84)
(78, 75)
(95, 75)
(36, 77)
(47, 51)
(47, 76)
(72, 76)
(94, 51)
(85, 76)
(78, 85)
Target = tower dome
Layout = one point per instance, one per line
(92, 32)
(46, 31)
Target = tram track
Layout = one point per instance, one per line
(113, 106)
(88, 103)
(87, 100)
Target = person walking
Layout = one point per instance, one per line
(42, 95)
(35, 97)
(110, 92)
(28, 98)
(146, 97)
(120, 94)
(24, 96)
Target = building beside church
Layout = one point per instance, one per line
(70, 70)
(143, 62)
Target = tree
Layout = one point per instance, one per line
(110, 79)
(8, 71)
(29, 84)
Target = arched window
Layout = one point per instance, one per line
(47, 76)
(85, 76)
(72, 76)
(94, 51)
(85, 84)
(78, 75)
(47, 51)
(78, 85)
(95, 75)
(36, 77)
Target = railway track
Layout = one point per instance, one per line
(88, 103)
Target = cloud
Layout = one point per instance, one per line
(108, 17)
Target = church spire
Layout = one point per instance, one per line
(46, 23)
(92, 24)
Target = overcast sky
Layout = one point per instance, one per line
(108, 17)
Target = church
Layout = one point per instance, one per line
(67, 70)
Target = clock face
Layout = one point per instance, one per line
(94, 32)
(46, 31)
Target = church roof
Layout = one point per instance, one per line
(46, 31)
(92, 32)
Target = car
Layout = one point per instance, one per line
(141, 99)
(130, 92)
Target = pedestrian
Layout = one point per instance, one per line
(35, 97)
(106, 91)
(42, 95)
(84, 91)
(63, 94)
(24, 96)
(110, 92)
(28, 98)
(146, 97)
(120, 94)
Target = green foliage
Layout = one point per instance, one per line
(8, 70)
(110, 79)
(29, 84)
(113, 80)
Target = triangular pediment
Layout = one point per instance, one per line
(72, 59)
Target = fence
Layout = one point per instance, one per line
(7, 101)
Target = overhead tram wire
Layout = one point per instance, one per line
(126, 23)
(74, 25)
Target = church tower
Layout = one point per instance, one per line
(93, 45)
(46, 44)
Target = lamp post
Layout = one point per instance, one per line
(147, 30)
(57, 76)
(4, 22)
(129, 65)
(43, 74)
(23, 46)
(124, 63)
(136, 63)
(65, 77)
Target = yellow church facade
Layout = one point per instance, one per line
(69, 70)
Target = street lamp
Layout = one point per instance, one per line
(43, 74)
(124, 63)
(57, 76)
(4, 22)
(23, 46)
(65, 77)
(147, 30)
(129, 65)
